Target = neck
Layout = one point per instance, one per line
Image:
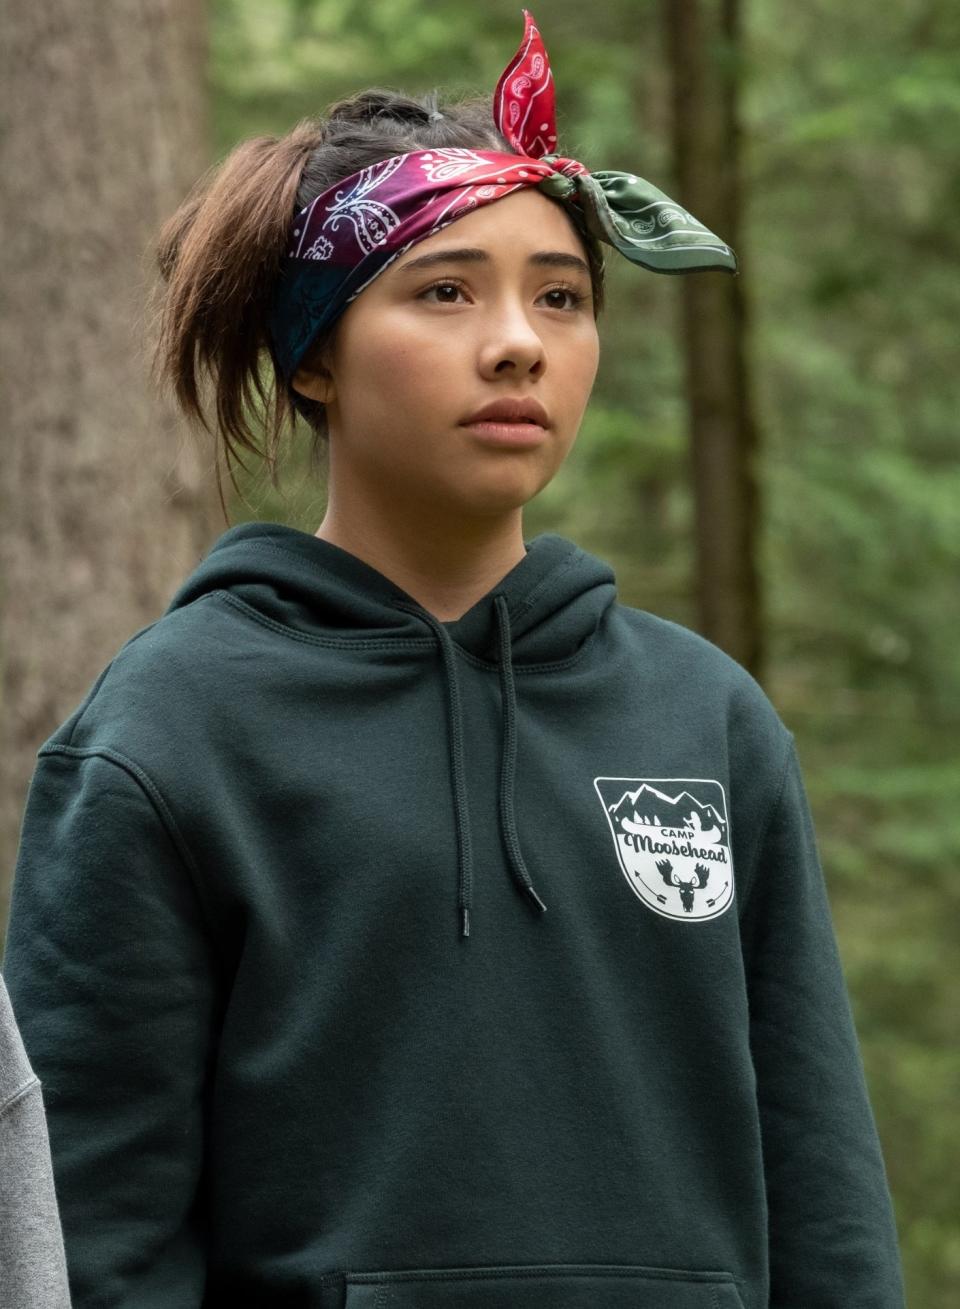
(446, 573)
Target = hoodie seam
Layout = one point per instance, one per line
(521, 668)
(31, 1084)
(399, 594)
(345, 643)
(163, 812)
(255, 545)
(550, 580)
(393, 642)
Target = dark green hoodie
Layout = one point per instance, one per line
(374, 961)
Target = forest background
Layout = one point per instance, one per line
(844, 329)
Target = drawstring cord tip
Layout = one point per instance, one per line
(533, 896)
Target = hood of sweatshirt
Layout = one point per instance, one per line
(540, 613)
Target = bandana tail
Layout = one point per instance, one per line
(623, 210)
(524, 103)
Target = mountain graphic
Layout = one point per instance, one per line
(648, 805)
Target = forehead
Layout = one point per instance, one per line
(508, 231)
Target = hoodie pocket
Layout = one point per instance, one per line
(543, 1286)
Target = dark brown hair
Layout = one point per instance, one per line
(219, 254)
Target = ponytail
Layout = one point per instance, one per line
(218, 256)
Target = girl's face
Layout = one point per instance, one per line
(422, 348)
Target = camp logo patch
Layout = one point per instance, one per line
(671, 835)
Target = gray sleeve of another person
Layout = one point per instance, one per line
(33, 1269)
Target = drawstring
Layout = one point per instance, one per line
(508, 827)
(508, 700)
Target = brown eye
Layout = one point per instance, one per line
(577, 298)
(440, 286)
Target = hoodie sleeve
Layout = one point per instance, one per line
(832, 1233)
(111, 975)
(33, 1270)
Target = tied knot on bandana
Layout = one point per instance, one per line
(557, 184)
(346, 236)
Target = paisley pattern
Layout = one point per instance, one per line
(446, 165)
(350, 233)
(321, 249)
(523, 102)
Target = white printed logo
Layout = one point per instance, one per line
(671, 836)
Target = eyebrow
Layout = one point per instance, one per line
(474, 255)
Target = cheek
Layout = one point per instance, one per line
(581, 363)
(389, 366)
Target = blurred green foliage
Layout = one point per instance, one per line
(849, 255)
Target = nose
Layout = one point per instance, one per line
(511, 341)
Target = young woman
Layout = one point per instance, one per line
(400, 919)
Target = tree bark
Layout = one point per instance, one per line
(104, 502)
(704, 44)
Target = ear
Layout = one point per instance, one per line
(315, 386)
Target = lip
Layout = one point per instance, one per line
(518, 435)
(510, 409)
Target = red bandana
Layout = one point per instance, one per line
(346, 236)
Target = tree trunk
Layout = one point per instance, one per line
(703, 40)
(105, 503)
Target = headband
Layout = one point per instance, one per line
(340, 241)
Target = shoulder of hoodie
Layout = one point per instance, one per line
(171, 672)
(158, 680)
(707, 680)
